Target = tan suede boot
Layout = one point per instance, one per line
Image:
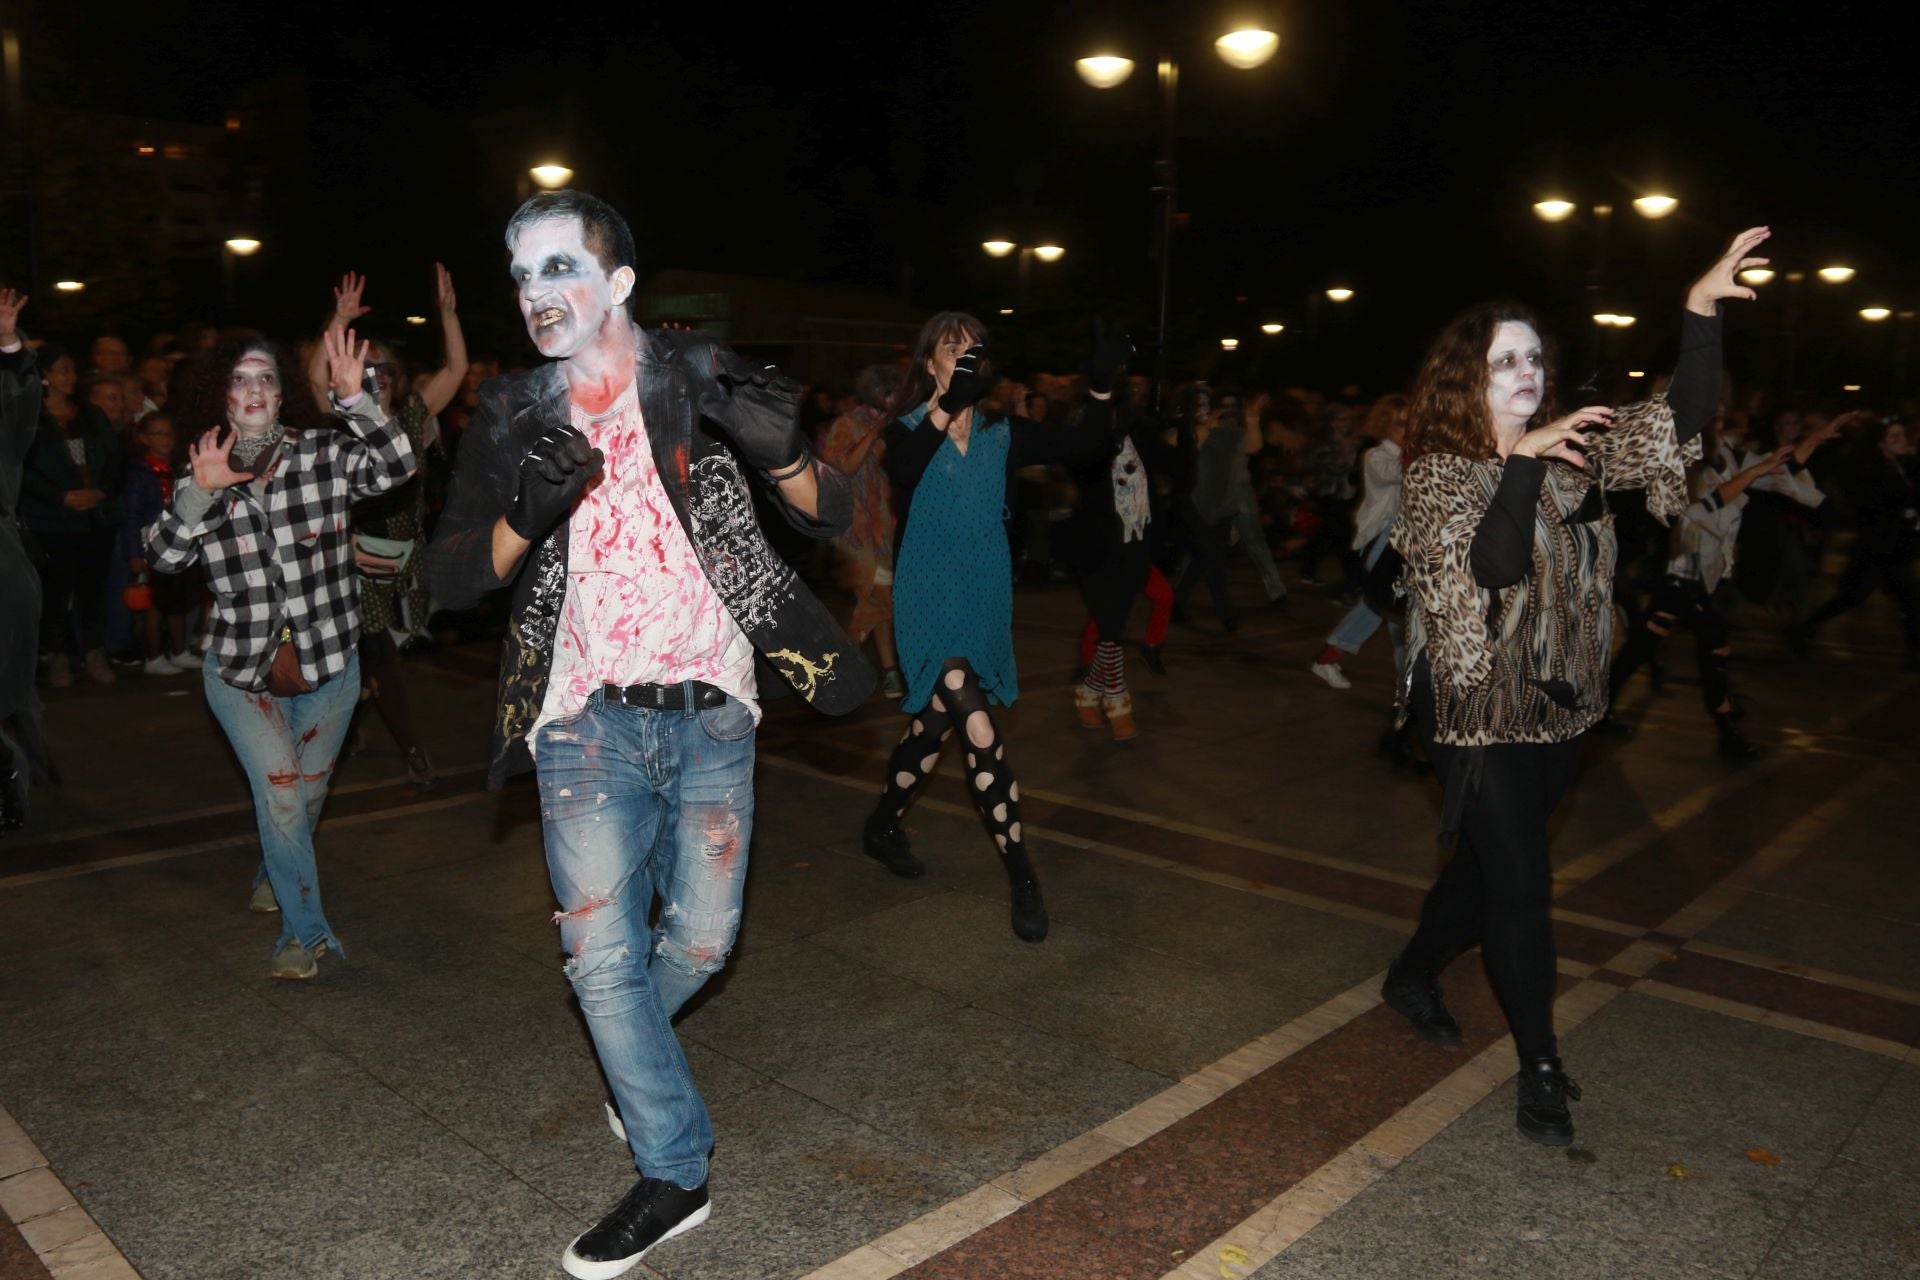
(1087, 703)
(1119, 709)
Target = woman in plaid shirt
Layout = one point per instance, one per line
(265, 511)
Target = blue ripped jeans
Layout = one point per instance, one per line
(287, 747)
(639, 804)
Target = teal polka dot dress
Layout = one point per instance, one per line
(953, 581)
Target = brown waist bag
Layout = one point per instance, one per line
(285, 680)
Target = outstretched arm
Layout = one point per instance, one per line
(439, 390)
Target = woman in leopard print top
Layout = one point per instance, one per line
(1509, 550)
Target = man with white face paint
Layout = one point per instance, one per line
(605, 488)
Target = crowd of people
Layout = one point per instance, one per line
(290, 522)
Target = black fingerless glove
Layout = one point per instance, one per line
(969, 384)
(759, 409)
(560, 465)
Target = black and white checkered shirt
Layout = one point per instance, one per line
(281, 566)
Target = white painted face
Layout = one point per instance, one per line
(1516, 372)
(253, 393)
(565, 295)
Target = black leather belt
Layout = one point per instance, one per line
(665, 697)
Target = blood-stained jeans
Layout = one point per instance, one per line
(287, 747)
(639, 804)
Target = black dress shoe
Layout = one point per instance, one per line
(1416, 998)
(653, 1211)
(1150, 654)
(1542, 1113)
(1029, 911)
(886, 842)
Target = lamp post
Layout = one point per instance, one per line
(1651, 205)
(1049, 252)
(1244, 49)
(235, 248)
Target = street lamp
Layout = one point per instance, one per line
(1875, 314)
(1756, 275)
(1273, 327)
(416, 320)
(1554, 210)
(1836, 274)
(550, 176)
(1245, 49)
(1229, 344)
(1339, 295)
(1612, 320)
(998, 248)
(243, 246)
(1655, 206)
(1045, 252)
(1049, 252)
(70, 286)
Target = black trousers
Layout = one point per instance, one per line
(1679, 602)
(1498, 886)
(76, 584)
(1866, 570)
(1207, 545)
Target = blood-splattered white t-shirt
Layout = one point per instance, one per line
(638, 609)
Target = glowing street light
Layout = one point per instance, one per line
(416, 319)
(1851, 386)
(550, 176)
(70, 286)
(1272, 327)
(1339, 295)
(1655, 206)
(1229, 344)
(243, 246)
(1247, 49)
(1756, 275)
(1836, 274)
(1006, 311)
(1636, 373)
(998, 248)
(1611, 320)
(1049, 252)
(1554, 210)
(1104, 70)
(1875, 313)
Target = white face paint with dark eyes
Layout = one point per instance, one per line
(1516, 372)
(253, 393)
(564, 294)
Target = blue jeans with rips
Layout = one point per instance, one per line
(637, 804)
(287, 746)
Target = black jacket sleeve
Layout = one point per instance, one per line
(459, 564)
(1695, 391)
(909, 450)
(1503, 544)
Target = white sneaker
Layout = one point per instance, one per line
(159, 667)
(187, 661)
(1331, 673)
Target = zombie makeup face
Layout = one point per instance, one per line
(564, 293)
(253, 394)
(1516, 374)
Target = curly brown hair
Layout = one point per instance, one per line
(202, 400)
(1449, 412)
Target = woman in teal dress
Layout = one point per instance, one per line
(952, 460)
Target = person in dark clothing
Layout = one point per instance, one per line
(1880, 485)
(1216, 438)
(71, 500)
(1508, 548)
(22, 739)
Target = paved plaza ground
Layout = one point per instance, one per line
(1192, 1077)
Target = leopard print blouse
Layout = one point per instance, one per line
(1527, 663)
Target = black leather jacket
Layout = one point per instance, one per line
(789, 627)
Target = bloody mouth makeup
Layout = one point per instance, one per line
(563, 292)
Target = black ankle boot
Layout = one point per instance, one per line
(886, 842)
(1733, 743)
(1416, 997)
(1542, 1113)
(1029, 908)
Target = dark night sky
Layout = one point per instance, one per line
(1394, 147)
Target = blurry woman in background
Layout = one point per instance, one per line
(854, 443)
(1880, 485)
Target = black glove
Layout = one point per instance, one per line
(1110, 354)
(969, 384)
(561, 463)
(759, 407)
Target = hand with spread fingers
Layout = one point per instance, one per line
(208, 458)
(1563, 438)
(758, 407)
(970, 382)
(346, 300)
(559, 467)
(1721, 279)
(11, 304)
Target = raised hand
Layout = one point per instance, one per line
(559, 466)
(443, 298)
(759, 408)
(346, 362)
(11, 305)
(1563, 438)
(346, 300)
(208, 458)
(1719, 282)
(970, 382)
